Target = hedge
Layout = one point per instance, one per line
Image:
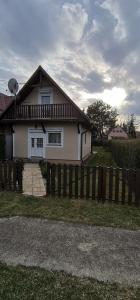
(2, 146)
(126, 153)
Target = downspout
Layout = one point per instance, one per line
(82, 143)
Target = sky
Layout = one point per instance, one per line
(90, 47)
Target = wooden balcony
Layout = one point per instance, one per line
(42, 112)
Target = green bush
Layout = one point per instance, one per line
(126, 153)
(2, 146)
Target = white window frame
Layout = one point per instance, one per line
(32, 132)
(45, 92)
(55, 130)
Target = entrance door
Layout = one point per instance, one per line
(37, 146)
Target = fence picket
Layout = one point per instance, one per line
(76, 181)
(82, 182)
(48, 178)
(87, 182)
(1, 183)
(11, 175)
(9, 171)
(65, 181)
(137, 193)
(53, 173)
(110, 184)
(99, 197)
(5, 176)
(94, 183)
(123, 185)
(104, 174)
(130, 186)
(70, 181)
(117, 185)
(59, 180)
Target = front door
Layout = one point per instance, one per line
(36, 146)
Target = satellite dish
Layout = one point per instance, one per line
(13, 86)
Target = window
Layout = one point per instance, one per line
(55, 138)
(45, 99)
(33, 144)
(46, 96)
(39, 142)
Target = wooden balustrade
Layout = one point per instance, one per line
(48, 111)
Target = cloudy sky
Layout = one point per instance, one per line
(90, 47)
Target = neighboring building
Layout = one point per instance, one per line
(4, 102)
(46, 124)
(117, 133)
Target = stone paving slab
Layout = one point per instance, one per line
(33, 183)
(106, 254)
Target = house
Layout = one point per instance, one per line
(46, 124)
(4, 101)
(137, 134)
(5, 137)
(117, 133)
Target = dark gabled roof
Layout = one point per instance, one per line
(29, 85)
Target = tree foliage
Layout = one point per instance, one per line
(129, 127)
(102, 115)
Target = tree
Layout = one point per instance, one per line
(131, 127)
(102, 115)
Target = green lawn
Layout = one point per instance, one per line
(90, 212)
(20, 283)
(102, 157)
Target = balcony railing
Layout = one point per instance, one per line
(48, 111)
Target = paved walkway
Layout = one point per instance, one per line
(105, 254)
(33, 183)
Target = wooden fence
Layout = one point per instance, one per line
(11, 175)
(96, 183)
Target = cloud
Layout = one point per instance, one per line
(91, 47)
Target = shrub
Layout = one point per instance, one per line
(2, 146)
(126, 153)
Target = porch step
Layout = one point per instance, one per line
(33, 183)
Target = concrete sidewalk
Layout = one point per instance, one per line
(106, 254)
